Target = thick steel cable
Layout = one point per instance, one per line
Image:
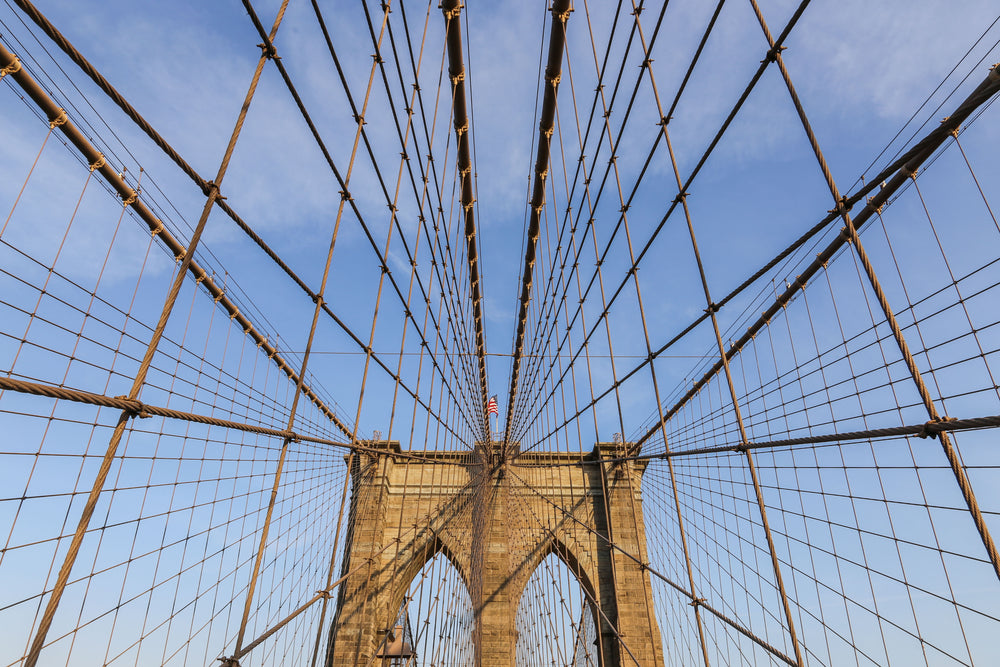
(690, 178)
(130, 197)
(88, 68)
(553, 72)
(894, 177)
(417, 192)
(359, 118)
(452, 10)
(139, 379)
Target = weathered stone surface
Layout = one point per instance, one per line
(496, 523)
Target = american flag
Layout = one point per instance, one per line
(491, 407)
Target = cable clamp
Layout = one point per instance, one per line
(131, 199)
(229, 662)
(712, 308)
(325, 594)
(268, 51)
(679, 199)
(928, 430)
(61, 119)
(213, 190)
(698, 602)
(844, 205)
(134, 408)
(98, 163)
(773, 53)
(13, 68)
(742, 447)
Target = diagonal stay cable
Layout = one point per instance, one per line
(269, 47)
(557, 39)
(911, 161)
(456, 71)
(46, 26)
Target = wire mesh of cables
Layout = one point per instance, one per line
(247, 281)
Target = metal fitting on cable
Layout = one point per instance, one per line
(13, 68)
(61, 119)
(773, 53)
(268, 51)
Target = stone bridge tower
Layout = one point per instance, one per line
(496, 522)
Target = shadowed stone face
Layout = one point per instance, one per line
(496, 521)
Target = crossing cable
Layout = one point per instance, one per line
(913, 158)
(177, 249)
(40, 98)
(599, 95)
(588, 177)
(693, 174)
(424, 192)
(581, 169)
(581, 164)
(477, 414)
(653, 571)
(542, 144)
(46, 26)
(557, 40)
(614, 142)
(417, 193)
(359, 119)
(452, 10)
(345, 193)
(992, 82)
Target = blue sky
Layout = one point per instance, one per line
(186, 66)
(862, 71)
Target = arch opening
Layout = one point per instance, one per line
(555, 622)
(436, 615)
